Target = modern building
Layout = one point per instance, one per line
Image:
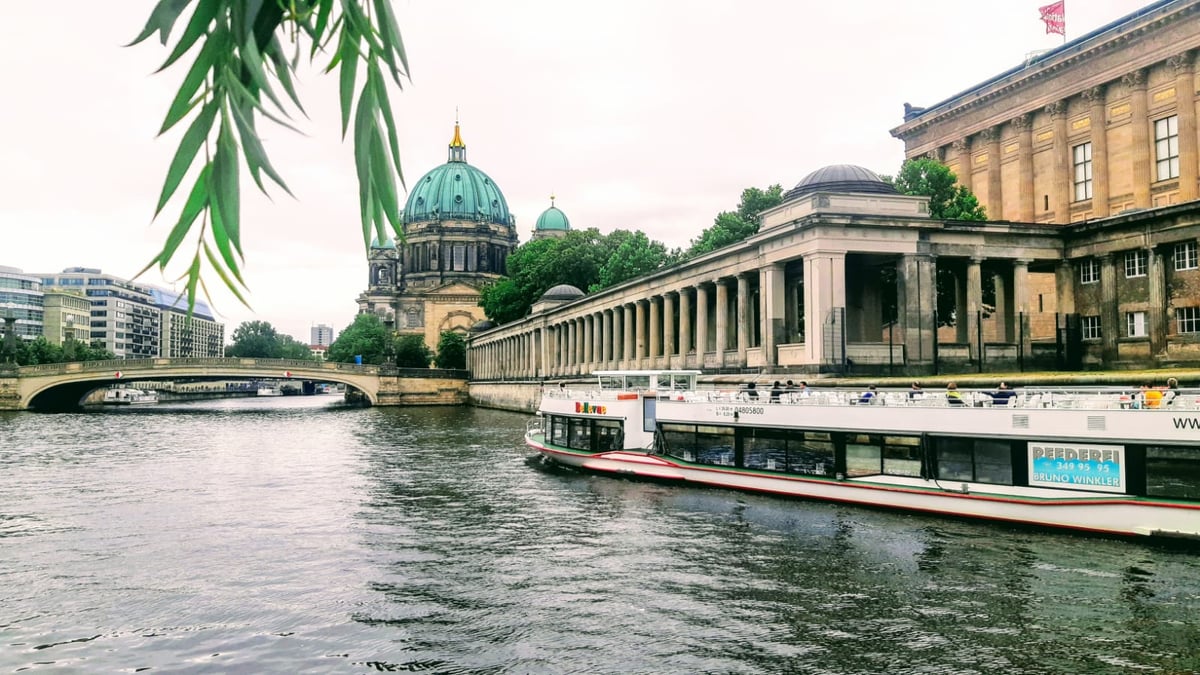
(552, 223)
(187, 334)
(458, 233)
(68, 316)
(1102, 125)
(321, 335)
(21, 303)
(124, 317)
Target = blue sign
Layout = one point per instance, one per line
(1077, 467)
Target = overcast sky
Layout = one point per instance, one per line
(637, 114)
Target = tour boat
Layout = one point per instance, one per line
(269, 391)
(1091, 460)
(129, 396)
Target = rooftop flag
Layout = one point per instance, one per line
(1055, 16)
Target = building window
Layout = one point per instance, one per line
(1089, 271)
(1185, 256)
(1135, 324)
(1166, 147)
(1187, 320)
(1136, 263)
(1091, 327)
(1083, 171)
(459, 252)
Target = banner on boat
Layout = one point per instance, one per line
(1077, 467)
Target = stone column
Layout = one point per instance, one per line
(628, 353)
(1185, 99)
(743, 318)
(1098, 120)
(824, 302)
(1109, 310)
(589, 338)
(685, 326)
(974, 305)
(1156, 318)
(668, 323)
(1025, 197)
(963, 149)
(580, 345)
(1139, 150)
(640, 333)
(606, 354)
(598, 342)
(542, 369)
(722, 320)
(1021, 303)
(573, 345)
(701, 324)
(1060, 199)
(771, 294)
(916, 302)
(995, 200)
(1064, 287)
(655, 326)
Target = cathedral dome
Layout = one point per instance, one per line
(841, 178)
(457, 191)
(562, 292)
(552, 219)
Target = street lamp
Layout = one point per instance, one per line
(9, 315)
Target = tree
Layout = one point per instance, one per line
(504, 301)
(947, 201)
(255, 339)
(241, 62)
(411, 352)
(40, 350)
(930, 178)
(633, 255)
(366, 336)
(451, 350)
(291, 348)
(730, 227)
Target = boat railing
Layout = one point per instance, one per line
(533, 425)
(1024, 398)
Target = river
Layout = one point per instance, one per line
(292, 535)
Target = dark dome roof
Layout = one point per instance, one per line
(562, 292)
(480, 326)
(841, 178)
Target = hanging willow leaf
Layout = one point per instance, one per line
(240, 61)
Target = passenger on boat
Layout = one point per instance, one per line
(803, 391)
(1151, 398)
(868, 396)
(1002, 395)
(1171, 392)
(776, 392)
(915, 392)
(952, 395)
(751, 392)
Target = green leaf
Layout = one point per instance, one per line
(221, 238)
(348, 52)
(389, 121)
(188, 147)
(283, 71)
(206, 12)
(256, 156)
(323, 12)
(363, 124)
(381, 176)
(233, 287)
(225, 195)
(162, 19)
(196, 202)
(193, 276)
(209, 54)
(228, 82)
(253, 65)
(389, 31)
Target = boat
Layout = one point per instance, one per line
(1093, 460)
(269, 391)
(129, 396)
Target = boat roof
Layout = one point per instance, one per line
(617, 373)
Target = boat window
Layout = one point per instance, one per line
(902, 455)
(609, 435)
(678, 440)
(612, 382)
(637, 381)
(580, 435)
(663, 382)
(714, 445)
(974, 460)
(765, 450)
(558, 430)
(809, 453)
(1173, 472)
(649, 412)
(864, 454)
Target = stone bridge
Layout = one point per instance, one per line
(62, 386)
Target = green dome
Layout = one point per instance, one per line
(552, 219)
(457, 191)
(388, 243)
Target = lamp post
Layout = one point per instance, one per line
(69, 339)
(10, 331)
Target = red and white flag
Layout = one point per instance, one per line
(1055, 16)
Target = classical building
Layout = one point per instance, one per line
(458, 233)
(1104, 124)
(552, 223)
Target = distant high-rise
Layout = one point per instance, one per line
(322, 335)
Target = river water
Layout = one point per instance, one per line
(292, 535)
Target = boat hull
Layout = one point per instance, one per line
(1107, 514)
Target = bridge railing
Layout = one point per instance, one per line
(215, 362)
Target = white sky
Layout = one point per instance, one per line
(637, 114)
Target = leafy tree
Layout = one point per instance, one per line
(504, 301)
(451, 350)
(366, 336)
(930, 178)
(730, 227)
(255, 339)
(633, 255)
(291, 348)
(40, 350)
(411, 352)
(241, 63)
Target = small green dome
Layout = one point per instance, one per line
(388, 243)
(552, 219)
(456, 191)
